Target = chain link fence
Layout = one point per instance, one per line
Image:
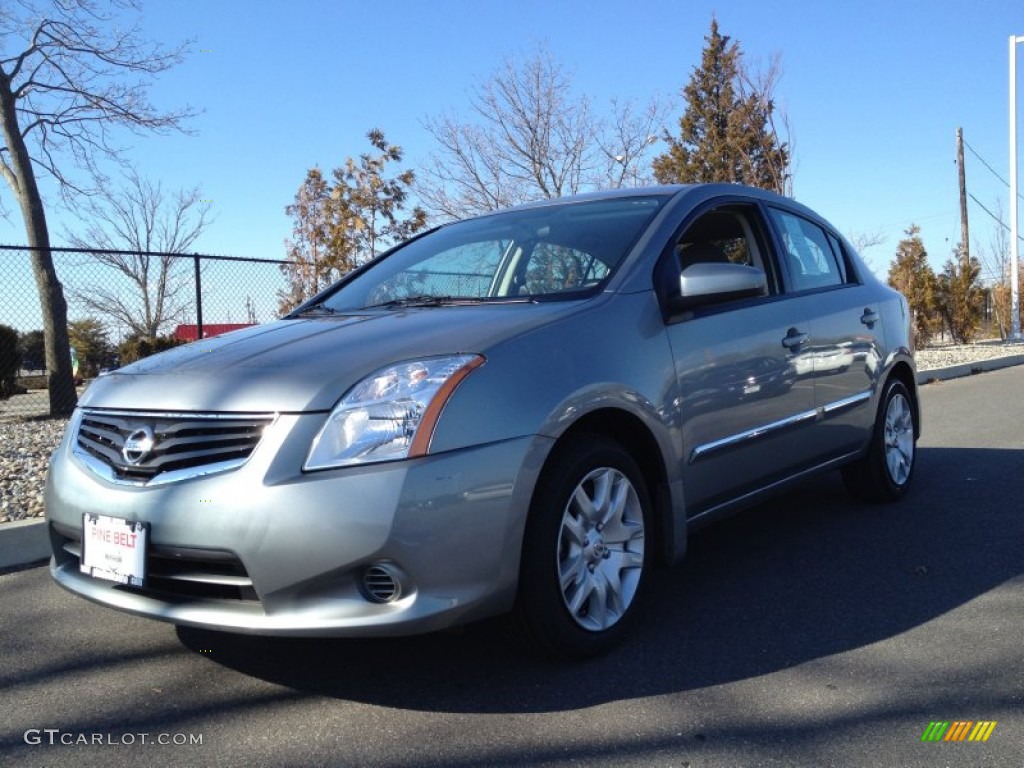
(118, 301)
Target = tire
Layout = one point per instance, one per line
(884, 473)
(587, 550)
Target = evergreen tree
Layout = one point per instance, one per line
(726, 133)
(10, 361)
(31, 348)
(311, 262)
(961, 297)
(911, 275)
(89, 338)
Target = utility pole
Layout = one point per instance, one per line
(964, 236)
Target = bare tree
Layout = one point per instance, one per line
(527, 136)
(757, 86)
(139, 228)
(862, 241)
(68, 76)
(995, 260)
(623, 141)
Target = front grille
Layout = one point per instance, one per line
(179, 575)
(159, 444)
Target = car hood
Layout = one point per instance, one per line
(306, 364)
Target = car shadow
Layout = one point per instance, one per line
(802, 577)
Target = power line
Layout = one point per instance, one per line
(994, 217)
(993, 170)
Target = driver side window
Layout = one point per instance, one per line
(720, 236)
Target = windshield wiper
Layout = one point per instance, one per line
(317, 309)
(422, 300)
(449, 301)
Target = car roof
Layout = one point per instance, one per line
(698, 193)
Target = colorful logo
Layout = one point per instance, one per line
(958, 730)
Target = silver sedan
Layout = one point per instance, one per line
(520, 413)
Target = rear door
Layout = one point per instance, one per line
(843, 354)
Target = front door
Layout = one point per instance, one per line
(741, 406)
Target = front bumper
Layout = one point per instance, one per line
(267, 549)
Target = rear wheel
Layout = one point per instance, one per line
(585, 552)
(885, 471)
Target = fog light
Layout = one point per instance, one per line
(381, 583)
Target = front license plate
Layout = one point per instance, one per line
(114, 549)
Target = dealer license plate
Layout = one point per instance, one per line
(114, 549)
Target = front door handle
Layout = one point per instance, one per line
(870, 317)
(794, 338)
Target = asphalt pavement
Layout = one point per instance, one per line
(810, 631)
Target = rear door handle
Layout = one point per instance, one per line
(794, 338)
(870, 317)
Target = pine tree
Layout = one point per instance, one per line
(726, 133)
(911, 275)
(310, 264)
(961, 297)
(89, 338)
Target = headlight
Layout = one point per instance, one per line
(390, 414)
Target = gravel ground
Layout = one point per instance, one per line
(25, 446)
(958, 354)
(25, 449)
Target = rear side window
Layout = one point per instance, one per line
(808, 252)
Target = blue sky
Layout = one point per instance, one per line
(874, 92)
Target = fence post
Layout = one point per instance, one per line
(199, 300)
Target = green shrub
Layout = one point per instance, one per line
(137, 347)
(10, 360)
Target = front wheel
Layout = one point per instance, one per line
(885, 471)
(586, 550)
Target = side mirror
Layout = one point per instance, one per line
(711, 283)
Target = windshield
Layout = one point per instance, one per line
(558, 251)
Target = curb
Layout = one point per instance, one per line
(24, 542)
(968, 369)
